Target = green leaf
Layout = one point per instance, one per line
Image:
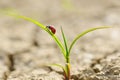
(63, 68)
(83, 33)
(28, 19)
(65, 43)
(59, 43)
(58, 65)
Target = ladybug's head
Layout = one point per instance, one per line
(48, 27)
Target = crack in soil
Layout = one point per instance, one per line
(10, 66)
(5, 76)
(11, 56)
(11, 60)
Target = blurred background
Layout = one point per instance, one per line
(31, 47)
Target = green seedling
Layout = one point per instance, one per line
(65, 49)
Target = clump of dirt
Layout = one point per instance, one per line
(107, 69)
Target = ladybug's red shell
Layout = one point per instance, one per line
(52, 29)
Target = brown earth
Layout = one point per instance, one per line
(25, 48)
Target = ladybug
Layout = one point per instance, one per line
(53, 30)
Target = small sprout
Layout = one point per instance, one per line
(65, 49)
(53, 30)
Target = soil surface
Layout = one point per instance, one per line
(25, 49)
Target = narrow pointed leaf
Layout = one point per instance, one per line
(84, 33)
(65, 42)
(59, 43)
(58, 65)
(28, 19)
(63, 68)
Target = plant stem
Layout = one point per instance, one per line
(67, 75)
(67, 59)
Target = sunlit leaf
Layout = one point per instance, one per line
(84, 33)
(65, 43)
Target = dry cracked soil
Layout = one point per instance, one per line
(25, 49)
